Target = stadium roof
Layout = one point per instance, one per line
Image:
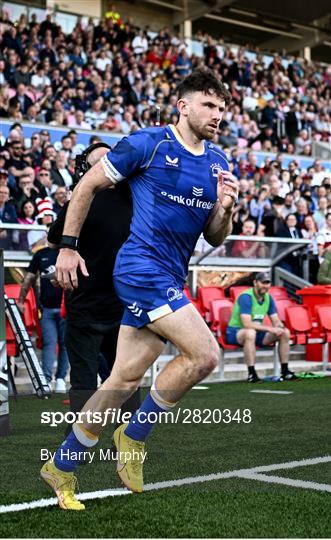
(277, 26)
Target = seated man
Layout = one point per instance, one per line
(246, 326)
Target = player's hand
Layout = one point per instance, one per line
(20, 306)
(278, 331)
(227, 189)
(66, 267)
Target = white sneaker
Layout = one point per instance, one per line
(60, 386)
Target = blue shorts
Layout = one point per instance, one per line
(231, 336)
(145, 303)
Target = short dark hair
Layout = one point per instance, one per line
(203, 80)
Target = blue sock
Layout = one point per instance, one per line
(67, 457)
(139, 430)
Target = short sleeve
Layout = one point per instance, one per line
(245, 304)
(34, 264)
(127, 157)
(272, 307)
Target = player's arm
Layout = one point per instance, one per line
(29, 281)
(273, 315)
(219, 225)
(69, 259)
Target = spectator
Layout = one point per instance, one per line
(21, 98)
(44, 183)
(247, 328)
(78, 121)
(45, 216)
(302, 211)
(7, 215)
(26, 217)
(245, 248)
(320, 214)
(60, 173)
(310, 232)
(52, 324)
(60, 198)
(291, 263)
(324, 273)
(324, 238)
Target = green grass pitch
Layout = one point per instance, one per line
(283, 428)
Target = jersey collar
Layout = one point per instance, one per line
(181, 141)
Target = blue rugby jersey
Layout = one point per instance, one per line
(173, 192)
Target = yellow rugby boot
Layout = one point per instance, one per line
(129, 459)
(63, 484)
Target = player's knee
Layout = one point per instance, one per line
(286, 336)
(209, 360)
(250, 334)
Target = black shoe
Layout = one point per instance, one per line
(289, 376)
(253, 378)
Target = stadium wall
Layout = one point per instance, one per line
(81, 7)
(83, 137)
(155, 17)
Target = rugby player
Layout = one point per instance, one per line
(181, 186)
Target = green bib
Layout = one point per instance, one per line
(259, 311)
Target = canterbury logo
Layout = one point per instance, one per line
(173, 162)
(135, 310)
(198, 192)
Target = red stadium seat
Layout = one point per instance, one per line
(193, 301)
(235, 291)
(298, 320)
(323, 313)
(205, 296)
(225, 311)
(281, 305)
(278, 293)
(215, 306)
(30, 317)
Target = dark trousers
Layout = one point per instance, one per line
(84, 345)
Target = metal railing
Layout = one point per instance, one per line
(291, 282)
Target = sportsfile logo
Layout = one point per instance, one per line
(135, 310)
(193, 202)
(198, 192)
(173, 162)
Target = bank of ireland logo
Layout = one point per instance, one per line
(197, 192)
(215, 169)
(174, 294)
(135, 310)
(173, 162)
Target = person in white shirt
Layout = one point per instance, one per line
(39, 80)
(319, 174)
(324, 238)
(102, 61)
(320, 214)
(140, 43)
(78, 121)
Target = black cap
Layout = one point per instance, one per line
(263, 276)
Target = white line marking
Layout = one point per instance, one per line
(287, 481)
(200, 388)
(240, 473)
(270, 392)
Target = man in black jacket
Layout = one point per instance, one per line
(94, 312)
(292, 262)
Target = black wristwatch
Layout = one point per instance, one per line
(70, 242)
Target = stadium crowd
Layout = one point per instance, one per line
(116, 77)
